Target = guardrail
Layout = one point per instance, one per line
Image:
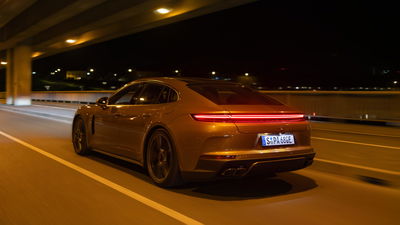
(369, 105)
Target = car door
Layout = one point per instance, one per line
(138, 118)
(106, 125)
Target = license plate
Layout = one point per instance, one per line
(275, 140)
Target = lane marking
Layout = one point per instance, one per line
(39, 116)
(356, 143)
(360, 167)
(146, 201)
(352, 132)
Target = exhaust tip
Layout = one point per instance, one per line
(234, 171)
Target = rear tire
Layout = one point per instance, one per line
(79, 138)
(161, 160)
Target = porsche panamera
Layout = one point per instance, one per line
(183, 129)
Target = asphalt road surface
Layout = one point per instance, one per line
(42, 181)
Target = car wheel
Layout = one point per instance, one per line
(161, 160)
(79, 137)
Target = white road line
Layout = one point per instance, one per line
(150, 203)
(360, 167)
(353, 132)
(356, 143)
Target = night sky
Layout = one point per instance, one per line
(324, 43)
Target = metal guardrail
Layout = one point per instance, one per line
(365, 105)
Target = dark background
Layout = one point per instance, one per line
(280, 43)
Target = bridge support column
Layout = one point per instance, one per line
(19, 75)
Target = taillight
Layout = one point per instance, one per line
(249, 118)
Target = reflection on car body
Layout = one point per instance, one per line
(194, 129)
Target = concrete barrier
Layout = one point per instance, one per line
(70, 96)
(359, 105)
(364, 105)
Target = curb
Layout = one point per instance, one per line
(366, 174)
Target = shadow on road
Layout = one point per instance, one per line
(249, 188)
(223, 190)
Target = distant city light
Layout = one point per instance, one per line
(88, 73)
(70, 41)
(129, 70)
(395, 82)
(176, 71)
(115, 74)
(58, 70)
(33, 73)
(213, 72)
(246, 74)
(79, 78)
(162, 11)
(104, 82)
(91, 70)
(52, 73)
(3, 63)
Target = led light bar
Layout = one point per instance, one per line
(249, 118)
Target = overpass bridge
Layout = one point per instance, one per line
(31, 29)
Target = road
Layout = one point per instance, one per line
(44, 182)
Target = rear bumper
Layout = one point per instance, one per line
(208, 169)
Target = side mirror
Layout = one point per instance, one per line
(102, 102)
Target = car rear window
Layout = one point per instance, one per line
(231, 94)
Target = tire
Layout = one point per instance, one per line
(161, 160)
(79, 138)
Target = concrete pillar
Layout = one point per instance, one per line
(19, 75)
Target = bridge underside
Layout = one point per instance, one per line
(40, 28)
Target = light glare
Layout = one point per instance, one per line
(163, 10)
(70, 41)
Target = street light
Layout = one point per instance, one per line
(162, 10)
(70, 41)
(91, 70)
(213, 72)
(395, 82)
(176, 71)
(129, 70)
(246, 74)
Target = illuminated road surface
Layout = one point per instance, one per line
(45, 182)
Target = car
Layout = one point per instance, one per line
(194, 129)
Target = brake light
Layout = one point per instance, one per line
(249, 118)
